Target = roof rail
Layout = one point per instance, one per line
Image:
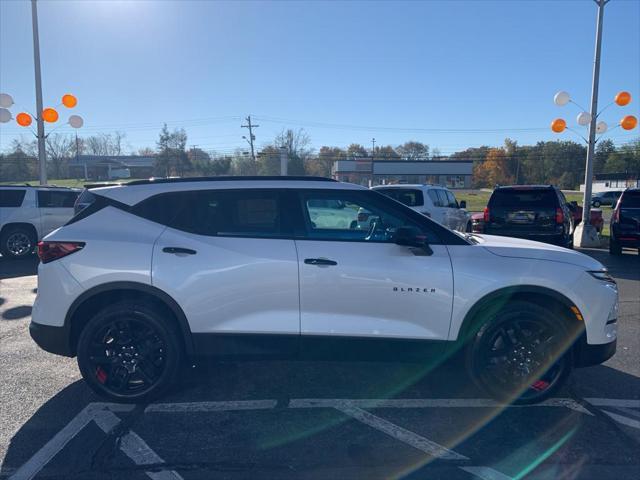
(152, 181)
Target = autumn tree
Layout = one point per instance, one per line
(494, 170)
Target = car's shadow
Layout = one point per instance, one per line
(18, 268)
(282, 381)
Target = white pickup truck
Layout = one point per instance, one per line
(29, 213)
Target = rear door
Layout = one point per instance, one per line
(56, 208)
(457, 216)
(439, 210)
(227, 257)
(516, 211)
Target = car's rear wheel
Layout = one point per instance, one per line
(596, 203)
(129, 352)
(614, 247)
(519, 355)
(17, 242)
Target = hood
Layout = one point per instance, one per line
(520, 248)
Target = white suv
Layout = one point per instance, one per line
(154, 272)
(29, 213)
(436, 202)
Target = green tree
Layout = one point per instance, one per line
(413, 151)
(604, 149)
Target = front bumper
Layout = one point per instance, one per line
(52, 339)
(585, 355)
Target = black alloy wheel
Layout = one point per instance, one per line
(129, 353)
(519, 356)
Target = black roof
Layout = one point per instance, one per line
(227, 178)
(524, 187)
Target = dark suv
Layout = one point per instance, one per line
(534, 212)
(625, 222)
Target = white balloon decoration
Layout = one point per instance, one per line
(561, 99)
(76, 121)
(583, 119)
(5, 115)
(5, 100)
(601, 127)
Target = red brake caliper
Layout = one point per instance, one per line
(101, 375)
(540, 385)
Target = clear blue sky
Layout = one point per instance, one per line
(346, 72)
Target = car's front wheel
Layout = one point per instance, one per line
(519, 355)
(596, 203)
(129, 352)
(17, 242)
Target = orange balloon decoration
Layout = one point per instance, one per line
(623, 98)
(23, 119)
(558, 125)
(69, 100)
(49, 115)
(629, 122)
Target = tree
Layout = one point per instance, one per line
(59, 149)
(20, 163)
(172, 159)
(494, 170)
(296, 144)
(626, 159)
(355, 150)
(321, 165)
(604, 149)
(386, 153)
(107, 144)
(413, 151)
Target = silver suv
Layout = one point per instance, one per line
(29, 213)
(436, 202)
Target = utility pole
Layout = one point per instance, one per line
(586, 234)
(195, 153)
(373, 148)
(252, 137)
(42, 155)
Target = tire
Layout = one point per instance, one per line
(596, 204)
(614, 247)
(17, 243)
(130, 352)
(526, 334)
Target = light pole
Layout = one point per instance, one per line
(42, 155)
(585, 234)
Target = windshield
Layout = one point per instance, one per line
(517, 198)
(410, 197)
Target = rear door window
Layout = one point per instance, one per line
(435, 199)
(410, 197)
(56, 199)
(523, 199)
(11, 197)
(631, 200)
(241, 213)
(442, 198)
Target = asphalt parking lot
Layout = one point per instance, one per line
(314, 420)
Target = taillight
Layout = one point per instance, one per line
(559, 215)
(50, 251)
(615, 218)
(486, 214)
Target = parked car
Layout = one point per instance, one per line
(535, 212)
(234, 266)
(605, 198)
(625, 222)
(437, 203)
(29, 213)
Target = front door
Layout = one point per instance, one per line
(355, 281)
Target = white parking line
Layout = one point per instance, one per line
(431, 403)
(629, 422)
(613, 402)
(134, 447)
(486, 473)
(432, 448)
(211, 406)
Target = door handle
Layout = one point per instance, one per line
(186, 251)
(319, 261)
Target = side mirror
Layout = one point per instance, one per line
(411, 237)
(463, 204)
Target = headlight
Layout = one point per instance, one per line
(602, 275)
